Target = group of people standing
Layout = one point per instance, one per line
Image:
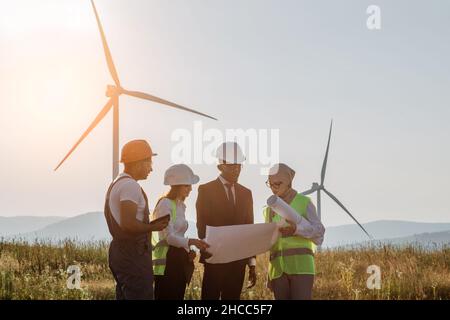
(153, 259)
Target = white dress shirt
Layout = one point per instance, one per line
(175, 230)
(224, 182)
(251, 261)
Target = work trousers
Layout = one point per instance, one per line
(131, 266)
(293, 287)
(177, 274)
(223, 281)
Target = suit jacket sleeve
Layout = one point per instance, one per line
(250, 218)
(202, 207)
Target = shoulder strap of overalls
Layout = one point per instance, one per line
(114, 183)
(146, 210)
(113, 227)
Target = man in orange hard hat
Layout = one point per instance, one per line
(127, 215)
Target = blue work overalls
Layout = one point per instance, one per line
(130, 258)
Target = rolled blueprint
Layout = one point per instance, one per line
(283, 209)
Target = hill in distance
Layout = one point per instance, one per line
(23, 224)
(92, 227)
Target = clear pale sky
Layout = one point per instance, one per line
(291, 65)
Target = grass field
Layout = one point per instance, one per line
(39, 271)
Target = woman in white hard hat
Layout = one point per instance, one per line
(172, 258)
(291, 268)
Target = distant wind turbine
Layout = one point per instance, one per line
(113, 92)
(316, 187)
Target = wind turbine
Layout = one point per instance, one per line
(316, 187)
(113, 92)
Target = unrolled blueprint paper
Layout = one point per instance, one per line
(231, 243)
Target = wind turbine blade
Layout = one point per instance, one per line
(162, 101)
(305, 193)
(94, 123)
(324, 165)
(345, 209)
(109, 60)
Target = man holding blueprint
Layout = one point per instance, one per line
(224, 202)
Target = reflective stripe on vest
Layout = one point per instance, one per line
(291, 254)
(159, 262)
(161, 247)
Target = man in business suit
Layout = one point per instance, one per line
(224, 202)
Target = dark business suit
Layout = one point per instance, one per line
(223, 280)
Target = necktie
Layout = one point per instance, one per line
(230, 193)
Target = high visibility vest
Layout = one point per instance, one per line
(161, 247)
(294, 254)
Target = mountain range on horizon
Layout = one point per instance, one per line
(23, 224)
(92, 227)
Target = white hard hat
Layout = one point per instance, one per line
(180, 174)
(230, 152)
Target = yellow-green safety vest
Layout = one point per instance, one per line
(294, 254)
(161, 247)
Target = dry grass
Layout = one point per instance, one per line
(38, 271)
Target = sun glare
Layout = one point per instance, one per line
(25, 16)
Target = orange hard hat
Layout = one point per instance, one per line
(136, 150)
